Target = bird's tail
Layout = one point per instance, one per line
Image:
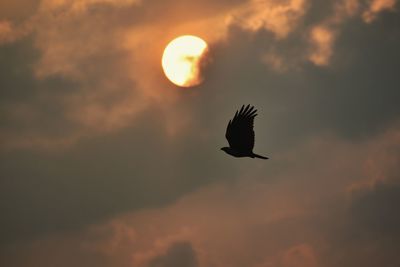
(258, 156)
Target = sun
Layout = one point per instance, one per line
(181, 60)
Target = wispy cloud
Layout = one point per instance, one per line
(377, 6)
(279, 17)
(323, 36)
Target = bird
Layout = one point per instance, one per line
(240, 134)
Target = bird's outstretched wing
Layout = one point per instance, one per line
(240, 133)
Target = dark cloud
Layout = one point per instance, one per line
(303, 213)
(16, 73)
(361, 101)
(354, 97)
(29, 106)
(100, 177)
(365, 233)
(375, 215)
(178, 254)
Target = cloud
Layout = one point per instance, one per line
(105, 49)
(323, 35)
(83, 6)
(10, 33)
(178, 254)
(131, 174)
(377, 6)
(94, 124)
(86, 84)
(279, 17)
(296, 212)
(5, 31)
(106, 53)
(300, 255)
(322, 38)
(373, 212)
(17, 10)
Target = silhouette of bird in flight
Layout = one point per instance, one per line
(240, 134)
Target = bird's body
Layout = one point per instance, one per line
(240, 134)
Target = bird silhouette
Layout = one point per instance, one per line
(240, 134)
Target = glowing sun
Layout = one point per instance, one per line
(181, 60)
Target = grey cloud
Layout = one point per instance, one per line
(354, 97)
(297, 214)
(365, 232)
(375, 214)
(178, 254)
(102, 176)
(29, 106)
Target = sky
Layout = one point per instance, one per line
(104, 162)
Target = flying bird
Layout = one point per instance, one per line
(240, 134)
